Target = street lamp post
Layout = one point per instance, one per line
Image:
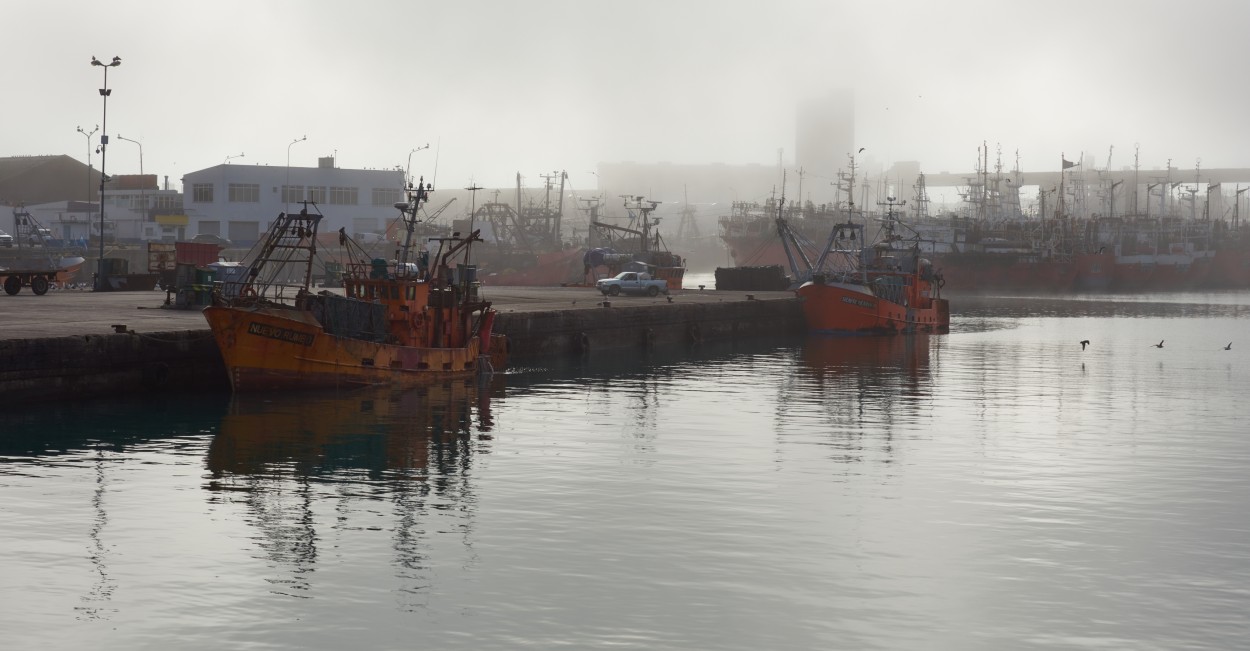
(88, 134)
(143, 197)
(104, 141)
(286, 189)
(121, 137)
(227, 161)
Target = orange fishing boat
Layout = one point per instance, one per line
(880, 288)
(399, 322)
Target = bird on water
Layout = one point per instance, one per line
(1158, 345)
(1084, 343)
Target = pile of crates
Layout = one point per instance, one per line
(186, 270)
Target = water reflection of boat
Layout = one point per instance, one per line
(382, 458)
(876, 354)
(375, 429)
(862, 384)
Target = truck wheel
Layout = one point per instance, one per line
(12, 285)
(653, 291)
(39, 285)
(614, 290)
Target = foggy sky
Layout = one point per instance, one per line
(497, 88)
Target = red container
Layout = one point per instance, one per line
(196, 253)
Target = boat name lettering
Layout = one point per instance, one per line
(856, 301)
(281, 334)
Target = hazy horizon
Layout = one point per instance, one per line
(497, 88)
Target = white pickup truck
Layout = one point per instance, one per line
(632, 282)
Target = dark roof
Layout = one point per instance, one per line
(45, 179)
(15, 165)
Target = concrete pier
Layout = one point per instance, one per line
(75, 344)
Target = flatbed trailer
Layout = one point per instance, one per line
(38, 281)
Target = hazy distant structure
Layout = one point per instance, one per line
(699, 184)
(824, 135)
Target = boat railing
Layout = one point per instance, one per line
(890, 287)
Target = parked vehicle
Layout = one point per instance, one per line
(6, 239)
(210, 238)
(39, 237)
(632, 282)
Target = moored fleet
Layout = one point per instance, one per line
(992, 245)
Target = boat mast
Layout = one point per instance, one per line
(560, 206)
(416, 197)
(850, 188)
(783, 231)
(1136, 181)
(922, 198)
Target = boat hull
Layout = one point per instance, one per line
(1135, 269)
(837, 308)
(758, 251)
(552, 269)
(1004, 271)
(1230, 268)
(274, 348)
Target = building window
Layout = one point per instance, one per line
(167, 201)
(387, 196)
(344, 196)
(244, 193)
(317, 193)
(292, 193)
(202, 193)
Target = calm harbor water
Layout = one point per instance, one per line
(997, 487)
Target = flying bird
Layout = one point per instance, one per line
(1158, 345)
(1084, 343)
(1229, 346)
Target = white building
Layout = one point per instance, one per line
(238, 202)
(135, 210)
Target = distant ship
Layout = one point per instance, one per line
(525, 244)
(635, 246)
(993, 246)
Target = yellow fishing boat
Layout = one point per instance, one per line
(404, 322)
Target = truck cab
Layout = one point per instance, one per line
(632, 282)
